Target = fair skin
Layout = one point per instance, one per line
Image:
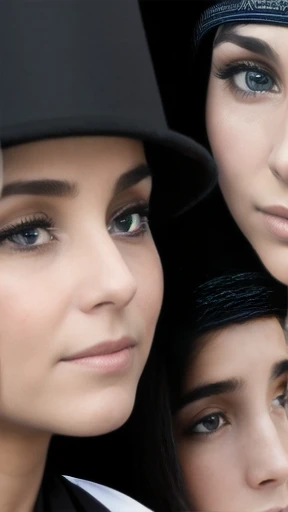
(78, 267)
(246, 115)
(231, 426)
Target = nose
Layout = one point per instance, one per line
(104, 277)
(268, 459)
(278, 161)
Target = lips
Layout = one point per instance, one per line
(276, 211)
(102, 349)
(277, 509)
(276, 221)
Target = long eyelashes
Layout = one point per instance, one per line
(214, 422)
(38, 231)
(22, 228)
(248, 78)
(130, 221)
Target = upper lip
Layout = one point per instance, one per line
(277, 211)
(103, 348)
(285, 509)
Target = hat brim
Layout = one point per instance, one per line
(183, 171)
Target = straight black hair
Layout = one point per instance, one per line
(232, 298)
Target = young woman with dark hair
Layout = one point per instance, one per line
(218, 401)
(240, 49)
(82, 131)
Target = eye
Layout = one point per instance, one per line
(281, 401)
(132, 221)
(128, 223)
(27, 234)
(248, 78)
(208, 425)
(30, 237)
(255, 81)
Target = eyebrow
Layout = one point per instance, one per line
(226, 386)
(278, 369)
(66, 189)
(252, 44)
(211, 389)
(47, 187)
(132, 177)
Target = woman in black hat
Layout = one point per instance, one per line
(246, 117)
(82, 131)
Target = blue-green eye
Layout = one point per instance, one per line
(255, 81)
(208, 425)
(27, 234)
(128, 223)
(131, 222)
(281, 401)
(248, 78)
(30, 237)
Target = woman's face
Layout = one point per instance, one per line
(247, 123)
(78, 272)
(231, 427)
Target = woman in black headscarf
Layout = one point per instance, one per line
(82, 129)
(243, 43)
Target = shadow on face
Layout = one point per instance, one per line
(231, 426)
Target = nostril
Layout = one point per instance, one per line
(276, 174)
(266, 482)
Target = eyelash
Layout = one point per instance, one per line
(229, 71)
(43, 222)
(46, 223)
(189, 431)
(139, 208)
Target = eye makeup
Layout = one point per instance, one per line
(248, 78)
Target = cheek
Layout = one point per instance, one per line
(30, 312)
(239, 137)
(204, 470)
(147, 272)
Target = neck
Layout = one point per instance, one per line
(22, 463)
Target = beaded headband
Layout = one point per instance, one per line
(231, 11)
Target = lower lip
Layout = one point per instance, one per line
(277, 225)
(108, 363)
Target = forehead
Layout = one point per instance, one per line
(71, 155)
(238, 351)
(267, 32)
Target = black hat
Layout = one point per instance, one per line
(83, 67)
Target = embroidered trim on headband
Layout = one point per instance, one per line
(231, 11)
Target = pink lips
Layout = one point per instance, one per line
(107, 356)
(276, 220)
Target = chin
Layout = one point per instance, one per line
(275, 260)
(98, 417)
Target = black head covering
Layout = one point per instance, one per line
(239, 11)
(80, 67)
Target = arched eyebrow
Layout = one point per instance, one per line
(252, 44)
(226, 386)
(67, 189)
(210, 389)
(132, 177)
(45, 187)
(279, 368)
